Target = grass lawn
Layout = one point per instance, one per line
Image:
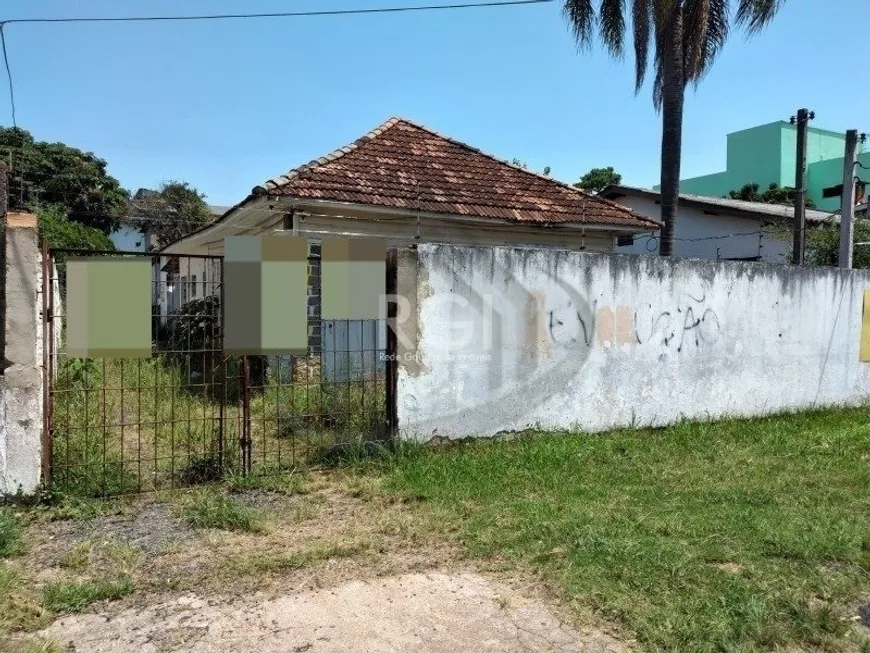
(725, 536)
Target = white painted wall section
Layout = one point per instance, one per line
(701, 234)
(501, 339)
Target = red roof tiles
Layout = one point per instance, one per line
(406, 166)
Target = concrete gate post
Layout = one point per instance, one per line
(21, 385)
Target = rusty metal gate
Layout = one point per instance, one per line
(190, 414)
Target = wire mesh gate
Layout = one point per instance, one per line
(190, 414)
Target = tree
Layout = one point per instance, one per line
(823, 243)
(775, 194)
(686, 37)
(58, 231)
(598, 178)
(60, 175)
(170, 213)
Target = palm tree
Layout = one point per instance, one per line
(686, 36)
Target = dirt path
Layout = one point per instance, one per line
(433, 612)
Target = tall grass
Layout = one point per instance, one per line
(11, 540)
(126, 425)
(123, 425)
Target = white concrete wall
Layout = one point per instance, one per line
(499, 339)
(702, 235)
(128, 239)
(21, 386)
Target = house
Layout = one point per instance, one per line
(405, 183)
(715, 227)
(130, 236)
(766, 154)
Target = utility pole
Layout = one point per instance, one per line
(847, 199)
(800, 183)
(4, 209)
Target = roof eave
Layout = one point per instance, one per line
(616, 191)
(290, 201)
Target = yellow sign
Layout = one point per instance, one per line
(865, 330)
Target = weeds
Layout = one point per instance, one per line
(121, 557)
(42, 645)
(267, 480)
(208, 509)
(59, 506)
(76, 596)
(20, 608)
(263, 563)
(122, 426)
(11, 543)
(79, 558)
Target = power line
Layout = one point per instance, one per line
(8, 72)
(697, 240)
(278, 14)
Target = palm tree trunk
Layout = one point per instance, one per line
(673, 90)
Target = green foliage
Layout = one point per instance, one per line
(54, 173)
(59, 231)
(172, 212)
(79, 373)
(736, 535)
(775, 194)
(208, 509)
(76, 596)
(823, 245)
(90, 469)
(196, 326)
(129, 426)
(597, 179)
(11, 543)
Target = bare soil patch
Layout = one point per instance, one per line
(340, 566)
(433, 612)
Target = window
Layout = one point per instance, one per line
(193, 287)
(184, 290)
(625, 241)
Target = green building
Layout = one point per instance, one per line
(766, 155)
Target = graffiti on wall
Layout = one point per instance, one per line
(688, 323)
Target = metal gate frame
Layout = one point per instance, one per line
(228, 415)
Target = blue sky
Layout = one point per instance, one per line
(227, 104)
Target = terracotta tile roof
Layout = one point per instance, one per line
(407, 166)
